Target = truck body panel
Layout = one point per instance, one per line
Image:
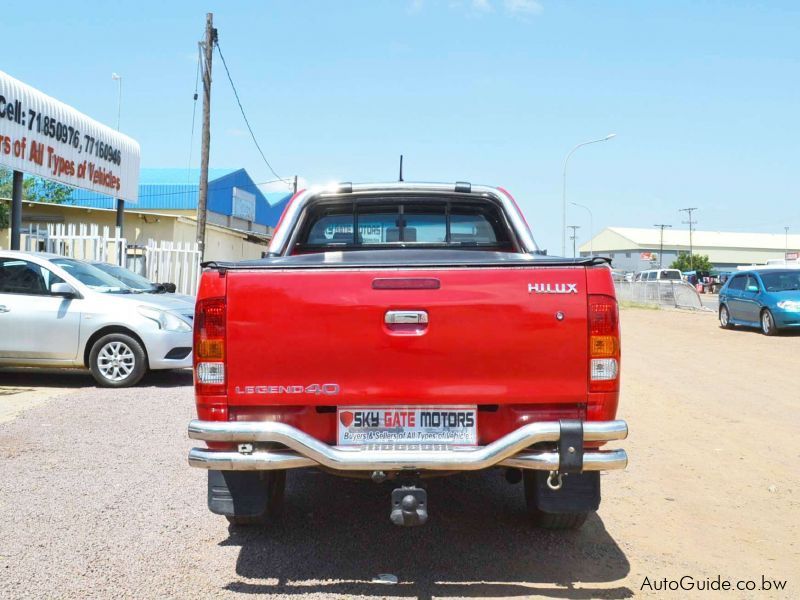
(488, 339)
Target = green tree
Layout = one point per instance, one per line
(699, 262)
(34, 189)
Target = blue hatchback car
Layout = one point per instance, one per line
(764, 298)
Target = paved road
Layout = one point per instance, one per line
(97, 499)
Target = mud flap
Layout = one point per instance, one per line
(579, 493)
(237, 493)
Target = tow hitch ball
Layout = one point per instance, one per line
(409, 506)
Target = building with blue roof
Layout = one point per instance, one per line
(234, 199)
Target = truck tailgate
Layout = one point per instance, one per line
(491, 337)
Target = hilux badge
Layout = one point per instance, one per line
(552, 288)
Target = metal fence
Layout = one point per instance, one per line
(164, 262)
(174, 262)
(675, 294)
(81, 241)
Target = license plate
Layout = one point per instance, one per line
(359, 425)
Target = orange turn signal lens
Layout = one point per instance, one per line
(211, 349)
(603, 346)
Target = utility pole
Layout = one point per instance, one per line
(690, 222)
(202, 199)
(661, 246)
(295, 184)
(786, 246)
(574, 236)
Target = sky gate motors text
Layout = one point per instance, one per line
(410, 418)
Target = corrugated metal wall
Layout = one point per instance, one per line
(179, 196)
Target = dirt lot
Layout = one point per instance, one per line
(97, 500)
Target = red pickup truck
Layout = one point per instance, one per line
(400, 331)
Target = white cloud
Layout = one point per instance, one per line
(416, 5)
(523, 7)
(516, 8)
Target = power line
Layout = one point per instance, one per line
(244, 116)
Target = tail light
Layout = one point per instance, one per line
(209, 346)
(604, 347)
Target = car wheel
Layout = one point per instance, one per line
(725, 317)
(768, 323)
(117, 360)
(275, 483)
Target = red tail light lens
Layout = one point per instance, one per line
(604, 349)
(209, 345)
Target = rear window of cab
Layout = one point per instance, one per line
(376, 224)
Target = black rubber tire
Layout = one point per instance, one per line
(771, 329)
(139, 366)
(569, 520)
(275, 481)
(727, 324)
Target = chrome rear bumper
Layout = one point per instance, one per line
(303, 450)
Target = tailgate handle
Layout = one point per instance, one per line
(405, 317)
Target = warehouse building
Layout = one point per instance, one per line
(241, 217)
(637, 249)
(234, 199)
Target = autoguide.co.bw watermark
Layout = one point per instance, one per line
(688, 583)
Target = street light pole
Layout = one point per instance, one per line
(564, 189)
(591, 227)
(118, 79)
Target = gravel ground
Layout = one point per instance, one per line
(98, 501)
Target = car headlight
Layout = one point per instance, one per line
(791, 305)
(166, 320)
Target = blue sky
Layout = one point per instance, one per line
(704, 96)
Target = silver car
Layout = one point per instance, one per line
(62, 312)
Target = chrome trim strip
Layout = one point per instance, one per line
(224, 460)
(282, 237)
(309, 451)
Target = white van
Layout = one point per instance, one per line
(659, 275)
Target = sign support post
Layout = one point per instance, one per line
(16, 210)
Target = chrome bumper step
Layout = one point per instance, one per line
(303, 450)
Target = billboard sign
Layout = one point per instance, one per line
(244, 205)
(44, 137)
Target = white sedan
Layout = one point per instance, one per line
(61, 312)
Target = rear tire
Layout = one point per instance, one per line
(548, 520)
(768, 323)
(117, 360)
(275, 483)
(725, 317)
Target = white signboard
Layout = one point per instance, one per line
(244, 205)
(41, 136)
